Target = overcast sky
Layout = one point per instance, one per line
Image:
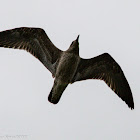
(88, 110)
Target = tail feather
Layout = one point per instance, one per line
(56, 92)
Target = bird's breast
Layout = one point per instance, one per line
(67, 66)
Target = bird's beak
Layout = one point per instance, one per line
(77, 38)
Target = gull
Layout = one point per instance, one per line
(67, 66)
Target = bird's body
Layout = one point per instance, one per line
(65, 71)
(67, 66)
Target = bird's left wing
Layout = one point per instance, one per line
(104, 67)
(33, 40)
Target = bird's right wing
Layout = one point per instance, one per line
(33, 40)
(104, 67)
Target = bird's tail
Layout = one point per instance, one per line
(56, 92)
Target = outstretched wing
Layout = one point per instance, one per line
(33, 40)
(104, 67)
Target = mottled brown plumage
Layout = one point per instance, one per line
(66, 66)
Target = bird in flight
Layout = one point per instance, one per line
(67, 66)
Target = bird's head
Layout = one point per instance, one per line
(74, 47)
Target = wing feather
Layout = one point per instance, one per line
(33, 40)
(104, 67)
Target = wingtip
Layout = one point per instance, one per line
(131, 106)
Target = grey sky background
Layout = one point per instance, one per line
(88, 110)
